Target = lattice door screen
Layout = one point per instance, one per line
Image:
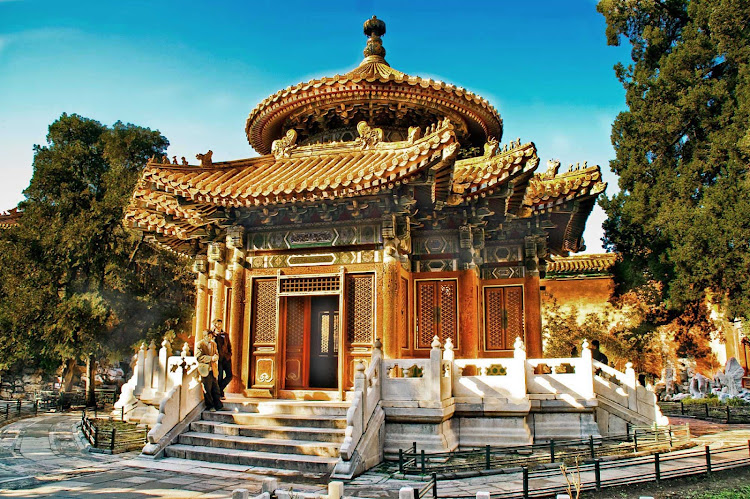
(264, 311)
(503, 309)
(437, 312)
(360, 321)
(308, 285)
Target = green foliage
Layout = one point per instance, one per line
(735, 493)
(626, 330)
(713, 401)
(682, 216)
(73, 281)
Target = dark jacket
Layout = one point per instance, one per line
(224, 346)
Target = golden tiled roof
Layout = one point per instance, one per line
(549, 189)
(308, 173)
(9, 218)
(596, 263)
(479, 176)
(378, 87)
(177, 200)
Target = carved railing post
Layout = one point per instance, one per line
(377, 360)
(448, 359)
(149, 382)
(360, 385)
(632, 383)
(587, 367)
(160, 376)
(140, 371)
(519, 354)
(435, 370)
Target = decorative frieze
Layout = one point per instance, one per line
(503, 254)
(315, 237)
(505, 272)
(435, 244)
(334, 258)
(447, 265)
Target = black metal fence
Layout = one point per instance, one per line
(62, 401)
(723, 413)
(17, 409)
(112, 436)
(637, 439)
(651, 468)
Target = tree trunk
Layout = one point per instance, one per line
(66, 380)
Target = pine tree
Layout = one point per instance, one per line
(682, 215)
(73, 281)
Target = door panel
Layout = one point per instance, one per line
(503, 315)
(436, 312)
(324, 342)
(297, 332)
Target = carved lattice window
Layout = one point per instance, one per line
(359, 308)
(503, 309)
(295, 321)
(436, 312)
(310, 285)
(264, 310)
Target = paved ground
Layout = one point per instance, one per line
(45, 457)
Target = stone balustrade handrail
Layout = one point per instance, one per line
(364, 401)
(184, 396)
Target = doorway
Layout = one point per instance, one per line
(312, 342)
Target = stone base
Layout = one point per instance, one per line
(562, 425)
(497, 431)
(609, 424)
(432, 437)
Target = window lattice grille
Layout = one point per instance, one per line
(503, 317)
(447, 317)
(359, 311)
(495, 312)
(295, 321)
(264, 310)
(436, 312)
(514, 306)
(318, 284)
(425, 314)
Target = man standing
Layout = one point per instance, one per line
(208, 359)
(597, 354)
(225, 355)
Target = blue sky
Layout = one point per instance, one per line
(194, 70)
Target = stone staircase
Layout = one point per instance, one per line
(283, 434)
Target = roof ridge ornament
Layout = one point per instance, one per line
(374, 28)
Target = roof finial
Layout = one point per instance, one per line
(374, 28)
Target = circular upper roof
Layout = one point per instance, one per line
(373, 92)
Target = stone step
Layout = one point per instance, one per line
(315, 464)
(279, 446)
(305, 408)
(249, 418)
(279, 432)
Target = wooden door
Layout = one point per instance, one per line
(297, 322)
(324, 342)
(437, 313)
(503, 313)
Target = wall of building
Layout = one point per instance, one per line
(587, 294)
